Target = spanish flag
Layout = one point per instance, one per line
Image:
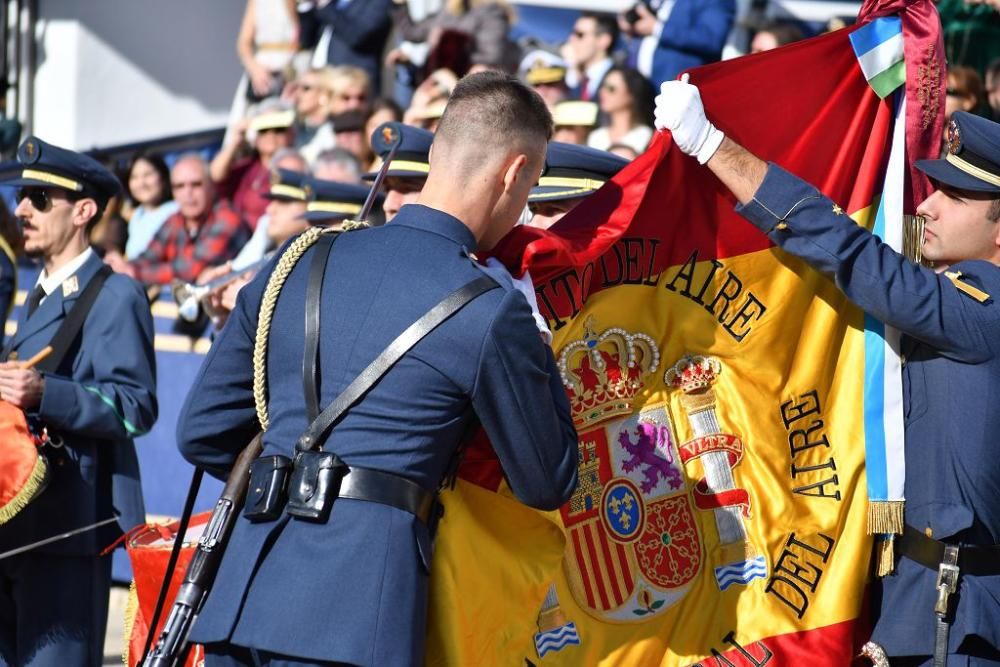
(723, 394)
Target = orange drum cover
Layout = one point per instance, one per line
(22, 471)
(149, 550)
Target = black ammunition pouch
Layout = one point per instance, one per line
(314, 485)
(267, 491)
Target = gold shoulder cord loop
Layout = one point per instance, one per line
(286, 263)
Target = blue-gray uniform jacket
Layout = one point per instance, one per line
(951, 398)
(354, 589)
(102, 396)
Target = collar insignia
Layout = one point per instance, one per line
(70, 286)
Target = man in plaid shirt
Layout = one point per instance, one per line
(201, 234)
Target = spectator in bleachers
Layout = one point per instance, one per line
(382, 110)
(993, 89)
(965, 92)
(354, 32)
(287, 204)
(349, 128)
(244, 180)
(546, 73)
(202, 233)
(626, 98)
(110, 232)
(291, 161)
(266, 45)
(677, 36)
(313, 96)
(588, 53)
(350, 90)
(573, 121)
(152, 202)
(774, 34)
(338, 164)
(461, 34)
(432, 94)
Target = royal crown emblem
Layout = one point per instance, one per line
(693, 374)
(604, 372)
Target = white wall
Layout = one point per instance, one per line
(116, 71)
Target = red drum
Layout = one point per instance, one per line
(23, 472)
(149, 550)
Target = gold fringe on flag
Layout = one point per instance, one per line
(885, 556)
(31, 488)
(885, 516)
(131, 609)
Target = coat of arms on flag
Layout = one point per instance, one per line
(719, 387)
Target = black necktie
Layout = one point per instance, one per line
(35, 298)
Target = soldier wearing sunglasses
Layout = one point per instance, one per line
(89, 398)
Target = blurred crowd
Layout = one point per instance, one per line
(319, 77)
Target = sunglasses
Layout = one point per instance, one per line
(40, 198)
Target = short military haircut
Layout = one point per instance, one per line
(494, 109)
(993, 215)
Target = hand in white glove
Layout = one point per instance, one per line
(525, 286)
(680, 110)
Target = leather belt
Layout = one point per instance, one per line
(382, 487)
(975, 560)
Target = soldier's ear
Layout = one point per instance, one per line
(83, 211)
(516, 168)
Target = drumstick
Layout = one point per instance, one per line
(41, 354)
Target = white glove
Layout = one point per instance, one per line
(525, 286)
(680, 110)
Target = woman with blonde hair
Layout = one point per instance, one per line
(313, 99)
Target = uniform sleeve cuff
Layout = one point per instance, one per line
(58, 400)
(777, 198)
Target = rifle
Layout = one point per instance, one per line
(172, 646)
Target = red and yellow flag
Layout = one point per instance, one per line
(716, 383)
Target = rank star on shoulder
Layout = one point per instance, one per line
(837, 210)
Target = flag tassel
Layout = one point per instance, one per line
(885, 517)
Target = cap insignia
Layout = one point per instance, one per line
(275, 177)
(29, 152)
(388, 135)
(954, 138)
(307, 190)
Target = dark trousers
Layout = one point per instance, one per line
(53, 610)
(230, 655)
(975, 653)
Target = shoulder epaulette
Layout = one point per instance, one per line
(956, 279)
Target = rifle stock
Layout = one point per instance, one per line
(171, 646)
